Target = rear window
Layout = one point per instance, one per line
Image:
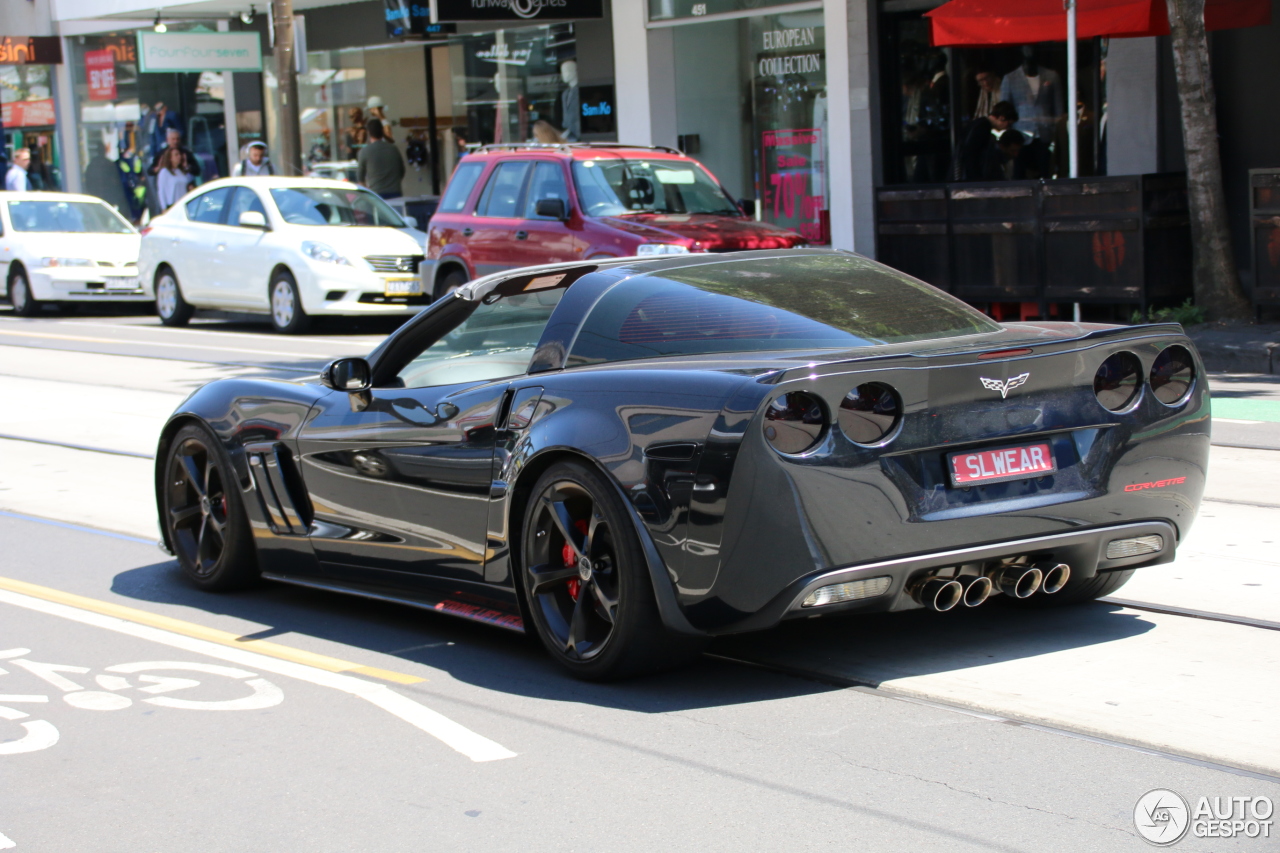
(802, 302)
(460, 186)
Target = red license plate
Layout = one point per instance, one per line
(1005, 463)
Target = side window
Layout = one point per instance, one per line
(460, 186)
(208, 206)
(497, 340)
(244, 200)
(502, 194)
(548, 182)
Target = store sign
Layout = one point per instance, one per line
(516, 10)
(193, 52)
(100, 68)
(598, 109)
(409, 19)
(504, 54)
(794, 182)
(28, 113)
(30, 50)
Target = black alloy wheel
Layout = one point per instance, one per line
(203, 513)
(586, 581)
(24, 304)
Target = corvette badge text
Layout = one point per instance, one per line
(1155, 484)
(1164, 818)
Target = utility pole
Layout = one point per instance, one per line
(289, 158)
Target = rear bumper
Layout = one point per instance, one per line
(1084, 550)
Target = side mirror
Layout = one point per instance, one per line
(411, 221)
(552, 208)
(252, 219)
(748, 206)
(347, 374)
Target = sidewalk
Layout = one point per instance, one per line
(1238, 348)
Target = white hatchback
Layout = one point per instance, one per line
(57, 248)
(291, 248)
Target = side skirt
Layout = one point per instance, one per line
(450, 605)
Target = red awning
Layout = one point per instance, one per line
(990, 22)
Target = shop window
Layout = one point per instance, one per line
(502, 194)
(460, 186)
(548, 182)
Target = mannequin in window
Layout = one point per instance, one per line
(1036, 93)
(570, 102)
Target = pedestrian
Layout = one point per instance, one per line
(255, 163)
(980, 138)
(173, 181)
(16, 179)
(379, 165)
(102, 178)
(988, 91)
(378, 109)
(190, 163)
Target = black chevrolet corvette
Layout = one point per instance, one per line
(636, 454)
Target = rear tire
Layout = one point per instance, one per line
(24, 304)
(171, 308)
(203, 514)
(597, 619)
(1077, 590)
(287, 314)
(452, 280)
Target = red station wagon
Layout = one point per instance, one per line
(511, 206)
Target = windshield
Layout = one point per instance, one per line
(334, 206)
(831, 301)
(616, 187)
(67, 216)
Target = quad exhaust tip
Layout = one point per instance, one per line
(940, 594)
(977, 589)
(1055, 578)
(1019, 581)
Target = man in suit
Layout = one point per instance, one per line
(1036, 93)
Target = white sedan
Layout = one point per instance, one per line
(57, 248)
(291, 248)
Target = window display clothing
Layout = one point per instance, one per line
(1038, 99)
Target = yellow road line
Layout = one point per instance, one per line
(191, 629)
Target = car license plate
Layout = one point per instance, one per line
(121, 282)
(407, 286)
(1005, 463)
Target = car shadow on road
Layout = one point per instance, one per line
(832, 652)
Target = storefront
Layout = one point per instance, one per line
(125, 109)
(482, 83)
(27, 105)
(751, 103)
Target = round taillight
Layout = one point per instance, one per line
(869, 412)
(1118, 381)
(795, 422)
(1172, 375)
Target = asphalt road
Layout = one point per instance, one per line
(300, 720)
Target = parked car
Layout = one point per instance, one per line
(60, 248)
(335, 170)
(510, 206)
(291, 248)
(626, 456)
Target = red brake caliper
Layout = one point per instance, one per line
(566, 554)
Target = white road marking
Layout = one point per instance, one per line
(112, 682)
(5, 842)
(96, 700)
(49, 672)
(265, 695)
(166, 683)
(40, 735)
(458, 737)
(14, 653)
(12, 714)
(12, 697)
(1234, 421)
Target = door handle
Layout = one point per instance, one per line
(522, 235)
(467, 232)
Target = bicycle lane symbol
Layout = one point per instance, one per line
(41, 734)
